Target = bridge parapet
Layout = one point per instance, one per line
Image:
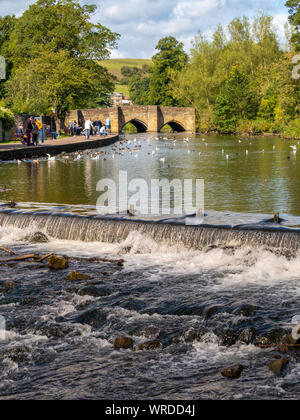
(146, 118)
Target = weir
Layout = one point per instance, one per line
(95, 229)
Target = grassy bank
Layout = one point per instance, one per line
(114, 66)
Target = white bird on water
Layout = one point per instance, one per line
(51, 158)
(294, 149)
(162, 160)
(227, 157)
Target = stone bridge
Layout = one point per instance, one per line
(145, 118)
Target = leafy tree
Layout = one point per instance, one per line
(294, 11)
(7, 24)
(170, 57)
(129, 71)
(6, 118)
(236, 101)
(54, 48)
(54, 83)
(139, 90)
(60, 25)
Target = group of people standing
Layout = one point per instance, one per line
(96, 128)
(34, 132)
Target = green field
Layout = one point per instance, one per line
(115, 65)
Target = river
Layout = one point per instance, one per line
(207, 307)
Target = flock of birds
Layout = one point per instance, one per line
(133, 146)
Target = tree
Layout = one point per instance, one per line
(170, 57)
(139, 90)
(294, 11)
(60, 25)
(7, 24)
(54, 83)
(54, 48)
(236, 101)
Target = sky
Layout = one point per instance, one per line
(142, 23)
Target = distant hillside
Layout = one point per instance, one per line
(114, 66)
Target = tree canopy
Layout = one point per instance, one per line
(53, 50)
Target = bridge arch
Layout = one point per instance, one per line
(139, 125)
(175, 125)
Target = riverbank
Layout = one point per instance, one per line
(54, 147)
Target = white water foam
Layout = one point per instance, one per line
(237, 268)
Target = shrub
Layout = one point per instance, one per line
(7, 118)
(292, 129)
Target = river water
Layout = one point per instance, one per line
(209, 307)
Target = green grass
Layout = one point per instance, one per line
(115, 65)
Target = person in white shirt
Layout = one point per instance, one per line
(108, 125)
(103, 131)
(88, 126)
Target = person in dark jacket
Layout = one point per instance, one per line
(28, 130)
(35, 133)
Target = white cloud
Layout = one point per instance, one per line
(142, 23)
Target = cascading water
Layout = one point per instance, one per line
(95, 229)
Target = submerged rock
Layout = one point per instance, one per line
(288, 343)
(248, 335)
(273, 338)
(246, 310)
(123, 343)
(93, 291)
(37, 237)
(94, 317)
(151, 345)
(228, 337)
(7, 286)
(19, 354)
(277, 366)
(212, 311)
(58, 263)
(233, 372)
(76, 276)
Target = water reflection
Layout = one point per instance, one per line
(263, 180)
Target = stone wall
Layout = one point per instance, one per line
(145, 118)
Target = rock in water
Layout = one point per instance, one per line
(123, 343)
(93, 291)
(233, 372)
(37, 237)
(151, 345)
(278, 366)
(58, 263)
(93, 317)
(75, 275)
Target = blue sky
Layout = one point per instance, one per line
(142, 23)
